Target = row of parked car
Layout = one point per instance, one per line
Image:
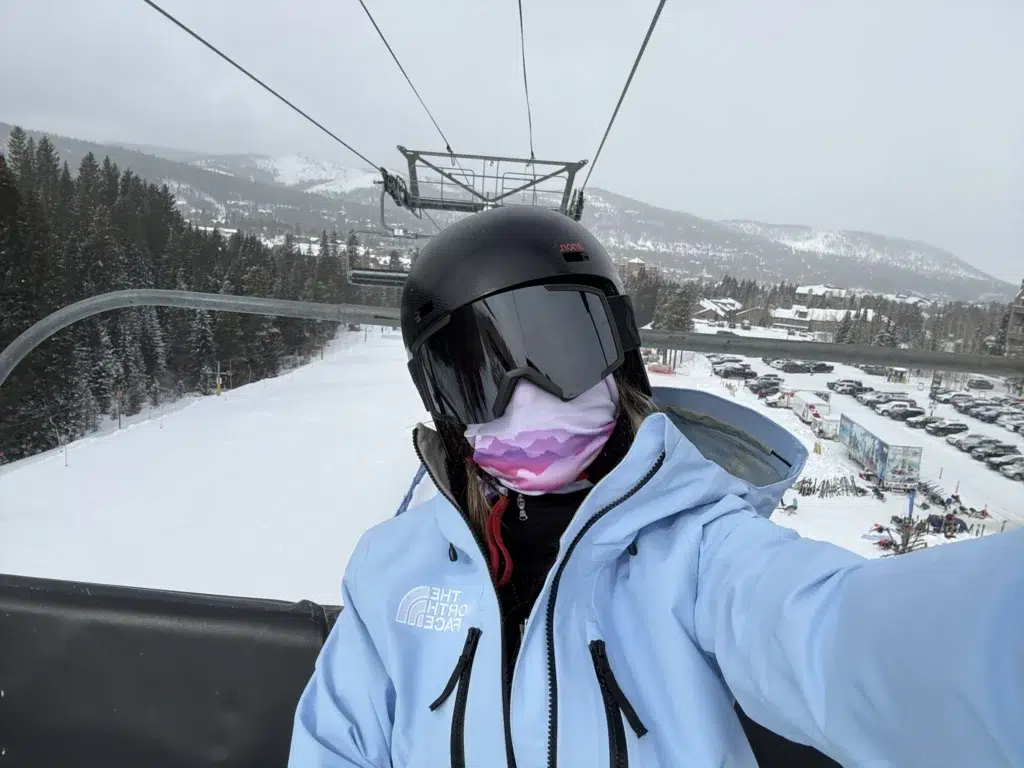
(797, 366)
(1006, 411)
(997, 454)
(731, 367)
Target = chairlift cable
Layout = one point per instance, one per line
(259, 82)
(431, 218)
(447, 144)
(526, 84)
(526, 88)
(622, 96)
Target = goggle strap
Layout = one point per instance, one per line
(621, 307)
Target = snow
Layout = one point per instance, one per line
(264, 490)
(822, 290)
(817, 314)
(295, 169)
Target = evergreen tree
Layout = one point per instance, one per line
(885, 336)
(844, 329)
(203, 353)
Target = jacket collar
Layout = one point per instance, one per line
(712, 448)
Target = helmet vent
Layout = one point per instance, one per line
(424, 311)
(572, 256)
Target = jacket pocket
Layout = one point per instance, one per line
(460, 678)
(616, 706)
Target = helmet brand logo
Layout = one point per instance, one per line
(571, 247)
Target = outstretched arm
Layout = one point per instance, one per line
(343, 719)
(910, 660)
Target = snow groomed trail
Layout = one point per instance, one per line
(260, 492)
(265, 490)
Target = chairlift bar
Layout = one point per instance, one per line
(752, 346)
(497, 158)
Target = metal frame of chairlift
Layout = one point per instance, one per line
(466, 191)
(385, 278)
(750, 346)
(481, 191)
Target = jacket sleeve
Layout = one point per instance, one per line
(343, 718)
(901, 661)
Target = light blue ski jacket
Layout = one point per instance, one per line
(673, 595)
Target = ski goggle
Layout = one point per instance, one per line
(564, 338)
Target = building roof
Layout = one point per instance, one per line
(821, 290)
(720, 307)
(800, 312)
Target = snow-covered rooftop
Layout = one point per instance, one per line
(817, 314)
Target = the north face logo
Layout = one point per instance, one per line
(433, 608)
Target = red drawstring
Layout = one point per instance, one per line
(498, 552)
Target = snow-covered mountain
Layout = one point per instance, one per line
(308, 174)
(274, 195)
(864, 248)
(690, 246)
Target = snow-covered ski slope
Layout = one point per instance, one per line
(264, 491)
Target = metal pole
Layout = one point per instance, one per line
(749, 346)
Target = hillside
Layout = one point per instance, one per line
(273, 195)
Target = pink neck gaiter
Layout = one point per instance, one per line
(542, 444)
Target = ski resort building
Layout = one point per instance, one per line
(1015, 329)
(811, 319)
(822, 291)
(717, 309)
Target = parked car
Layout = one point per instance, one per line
(945, 428)
(969, 441)
(990, 415)
(733, 371)
(867, 398)
(821, 367)
(905, 414)
(1013, 471)
(795, 366)
(979, 384)
(922, 422)
(975, 441)
(833, 384)
(989, 450)
(763, 380)
(719, 359)
(998, 462)
(964, 405)
(888, 407)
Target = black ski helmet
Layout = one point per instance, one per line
(510, 293)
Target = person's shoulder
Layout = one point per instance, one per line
(402, 535)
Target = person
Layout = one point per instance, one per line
(596, 580)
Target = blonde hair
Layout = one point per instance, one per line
(636, 406)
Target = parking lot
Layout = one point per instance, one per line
(953, 470)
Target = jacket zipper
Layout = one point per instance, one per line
(506, 688)
(550, 617)
(616, 705)
(460, 675)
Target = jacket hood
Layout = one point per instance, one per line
(713, 447)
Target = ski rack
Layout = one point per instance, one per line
(750, 346)
(485, 184)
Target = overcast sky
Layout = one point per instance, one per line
(904, 117)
